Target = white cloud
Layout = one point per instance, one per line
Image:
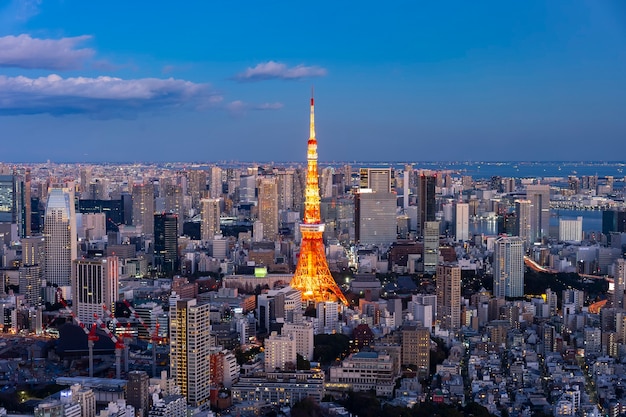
(54, 54)
(240, 107)
(277, 70)
(101, 97)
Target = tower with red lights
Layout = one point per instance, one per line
(312, 276)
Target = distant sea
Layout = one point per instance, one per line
(519, 169)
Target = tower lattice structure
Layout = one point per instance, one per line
(312, 276)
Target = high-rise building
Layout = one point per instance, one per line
(137, 393)
(508, 267)
(166, 243)
(302, 333)
(462, 222)
(327, 317)
(279, 350)
(174, 202)
(415, 348)
(247, 188)
(539, 196)
(268, 207)
(285, 185)
(215, 182)
(375, 217)
(425, 200)
(571, 230)
(143, 207)
(7, 199)
(96, 283)
(431, 246)
(30, 284)
(449, 296)
(60, 236)
(210, 215)
(190, 344)
(522, 221)
(376, 179)
(619, 282)
(312, 276)
(197, 180)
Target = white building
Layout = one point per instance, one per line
(303, 335)
(508, 267)
(279, 350)
(571, 230)
(462, 222)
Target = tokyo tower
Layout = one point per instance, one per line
(312, 276)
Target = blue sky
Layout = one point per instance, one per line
(93, 81)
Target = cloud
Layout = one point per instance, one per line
(53, 54)
(275, 70)
(240, 107)
(18, 11)
(102, 97)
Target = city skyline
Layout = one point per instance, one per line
(231, 82)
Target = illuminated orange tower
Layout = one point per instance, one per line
(312, 276)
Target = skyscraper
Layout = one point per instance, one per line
(268, 207)
(96, 283)
(462, 222)
(375, 217)
(522, 220)
(539, 196)
(508, 267)
(137, 393)
(431, 246)
(449, 296)
(60, 236)
(215, 186)
(166, 243)
(210, 215)
(143, 207)
(312, 276)
(425, 200)
(376, 179)
(190, 344)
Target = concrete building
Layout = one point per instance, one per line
(431, 246)
(364, 371)
(137, 393)
(143, 207)
(522, 221)
(462, 222)
(60, 236)
(280, 388)
(416, 348)
(571, 230)
(449, 296)
(279, 350)
(96, 283)
(539, 196)
(302, 333)
(375, 217)
(190, 343)
(508, 267)
(268, 207)
(210, 215)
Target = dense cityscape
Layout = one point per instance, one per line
(287, 289)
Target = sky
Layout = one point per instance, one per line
(209, 81)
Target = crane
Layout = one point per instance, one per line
(121, 337)
(91, 334)
(154, 336)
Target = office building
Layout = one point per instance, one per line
(449, 296)
(571, 230)
(196, 187)
(268, 207)
(539, 196)
(508, 267)
(30, 280)
(210, 217)
(279, 388)
(425, 200)
(279, 351)
(379, 180)
(416, 348)
(60, 236)
(431, 246)
(143, 207)
(462, 222)
(190, 344)
(215, 182)
(96, 283)
(522, 221)
(137, 393)
(166, 243)
(327, 317)
(302, 333)
(365, 371)
(375, 218)
(619, 283)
